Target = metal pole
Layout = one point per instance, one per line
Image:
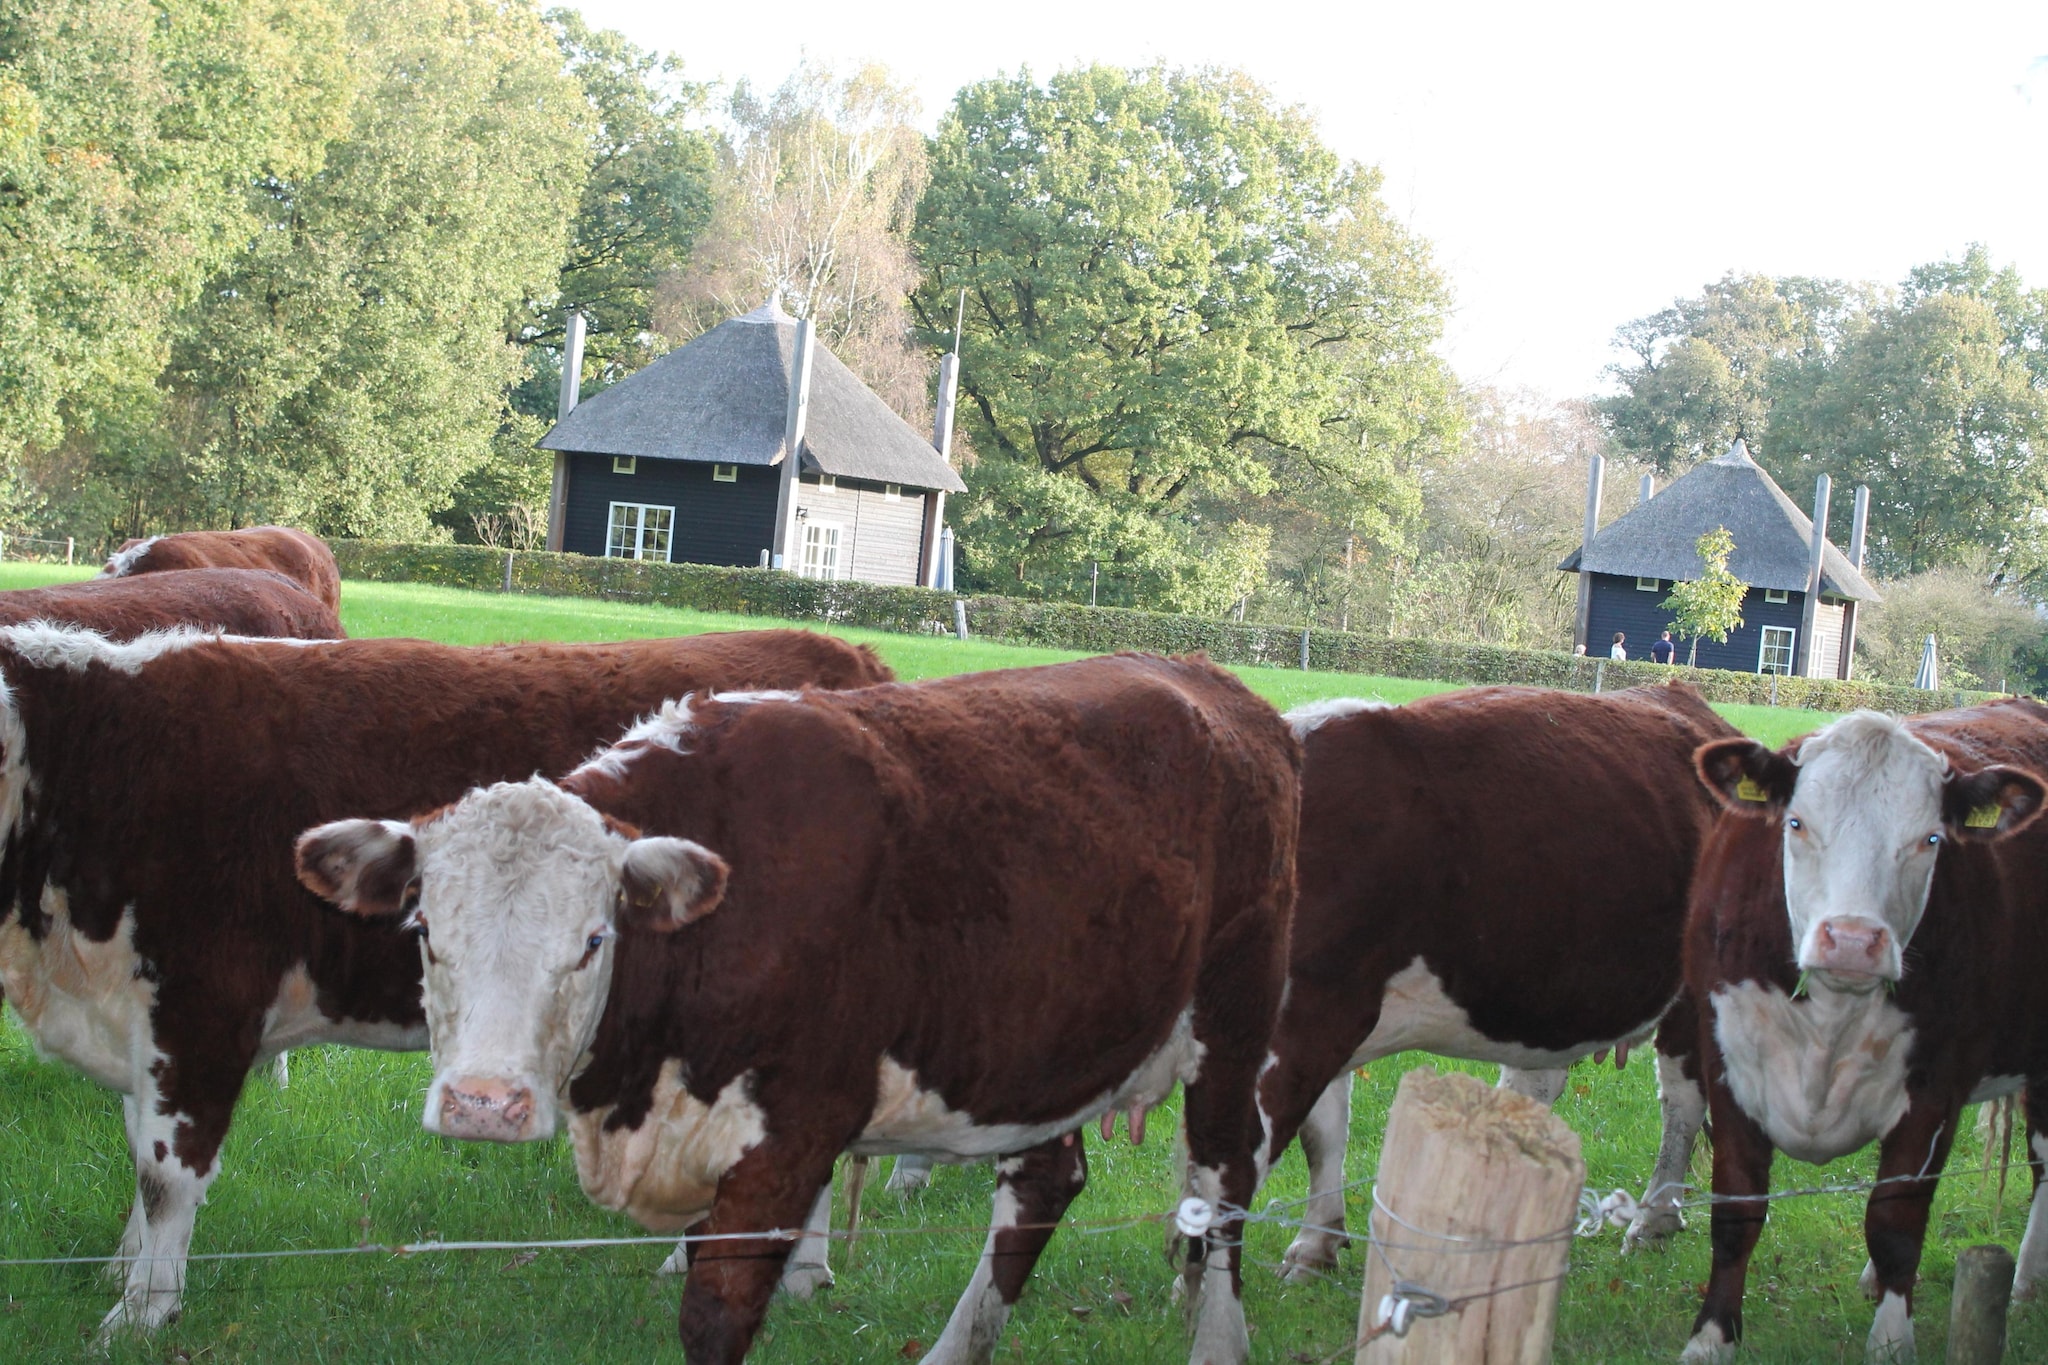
(1594, 473)
(1304, 649)
(1809, 615)
(508, 571)
(945, 583)
(70, 547)
(1094, 575)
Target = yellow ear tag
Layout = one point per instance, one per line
(1746, 789)
(1983, 817)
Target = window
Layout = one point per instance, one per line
(725, 473)
(1776, 655)
(1777, 594)
(893, 492)
(625, 464)
(1649, 584)
(821, 550)
(828, 481)
(639, 531)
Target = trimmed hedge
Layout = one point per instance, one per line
(1062, 625)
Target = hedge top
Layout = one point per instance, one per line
(920, 611)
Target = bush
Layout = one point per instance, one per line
(1101, 630)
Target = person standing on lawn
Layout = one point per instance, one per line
(1663, 651)
(1620, 650)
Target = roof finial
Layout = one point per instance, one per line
(1738, 453)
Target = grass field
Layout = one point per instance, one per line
(340, 1158)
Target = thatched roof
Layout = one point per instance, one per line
(1773, 538)
(724, 397)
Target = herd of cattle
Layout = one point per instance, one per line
(773, 907)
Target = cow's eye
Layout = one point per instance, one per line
(1934, 839)
(590, 947)
(419, 927)
(1795, 823)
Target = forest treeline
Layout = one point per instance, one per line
(311, 263)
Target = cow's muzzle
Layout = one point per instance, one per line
(480, 1109)
(1851, 954)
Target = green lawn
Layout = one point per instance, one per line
(340, 1157)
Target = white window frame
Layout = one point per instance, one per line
(725, 473)
(1649, 584)
(625, 464)
(1767, 636)
(640, 531)
(1777, 594)
(892, 492)
(828, 481)
(841, 551)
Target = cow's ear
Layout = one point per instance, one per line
(1746, 776)
(1990, 803)
(667, 883)
(363, 866)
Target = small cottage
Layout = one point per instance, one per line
(1630, 565)
(687, 461)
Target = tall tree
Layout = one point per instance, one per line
(131, 134)
(354, 360)
(1170, 283)
(816, 188)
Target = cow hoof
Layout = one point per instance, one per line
(2023, 1291)
(125, 1320)
(1891, 1334)
(1652, 1230)
(802, 1281)
(1708, 1347)
(1310, 1257)
(678, 1262)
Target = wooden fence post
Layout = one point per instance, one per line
(1976, 1317)
(1471, 1226)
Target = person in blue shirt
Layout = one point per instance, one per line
(1663, 651)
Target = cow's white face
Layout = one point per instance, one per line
(1864, 809)
(517, 892)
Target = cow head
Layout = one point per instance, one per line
(516, 892)
(1864, 807)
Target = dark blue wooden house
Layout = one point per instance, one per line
(1633, 562)
(683, 462)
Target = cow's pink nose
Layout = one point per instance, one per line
(486, 1110)
(1856, 946)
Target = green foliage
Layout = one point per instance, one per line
(1986, 635)
(129, 135)
(1710, 606)
(1178, 301)
(1935, 395)
(1063, 625)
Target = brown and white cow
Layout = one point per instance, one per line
(1868, 937)
(299, 556)
(962, 916)
(152, 929)
(1497, 874)
(236, 601)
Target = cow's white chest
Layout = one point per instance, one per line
(1822, 1077)
(665, 1172)
(1416, 1013)
(910, 1118)
(82, 1002)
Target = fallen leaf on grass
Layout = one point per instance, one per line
(912, 1349)
(523, 1258)
(1120, 1299)
(1080, 1310)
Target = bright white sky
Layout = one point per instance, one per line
(1575, 165)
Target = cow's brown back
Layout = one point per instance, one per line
(299, 556)
(254, 602)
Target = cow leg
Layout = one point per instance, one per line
(1324, 1138)
(809, 1268)
(1742, 1167)
(775, 1185)
(1033, 1189)
(1895, 1221)
(131, 1236)
(1542, 1086)
(1684, 1108)
(1229, 1127)
(174, 1163)
(910, 1174)
(2032, 1270)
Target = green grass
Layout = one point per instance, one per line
(340, 1158)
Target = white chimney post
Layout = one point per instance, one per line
(786, 548)
(1803, 666)
(1595, 472)
(1846, 664)
(565, 403)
